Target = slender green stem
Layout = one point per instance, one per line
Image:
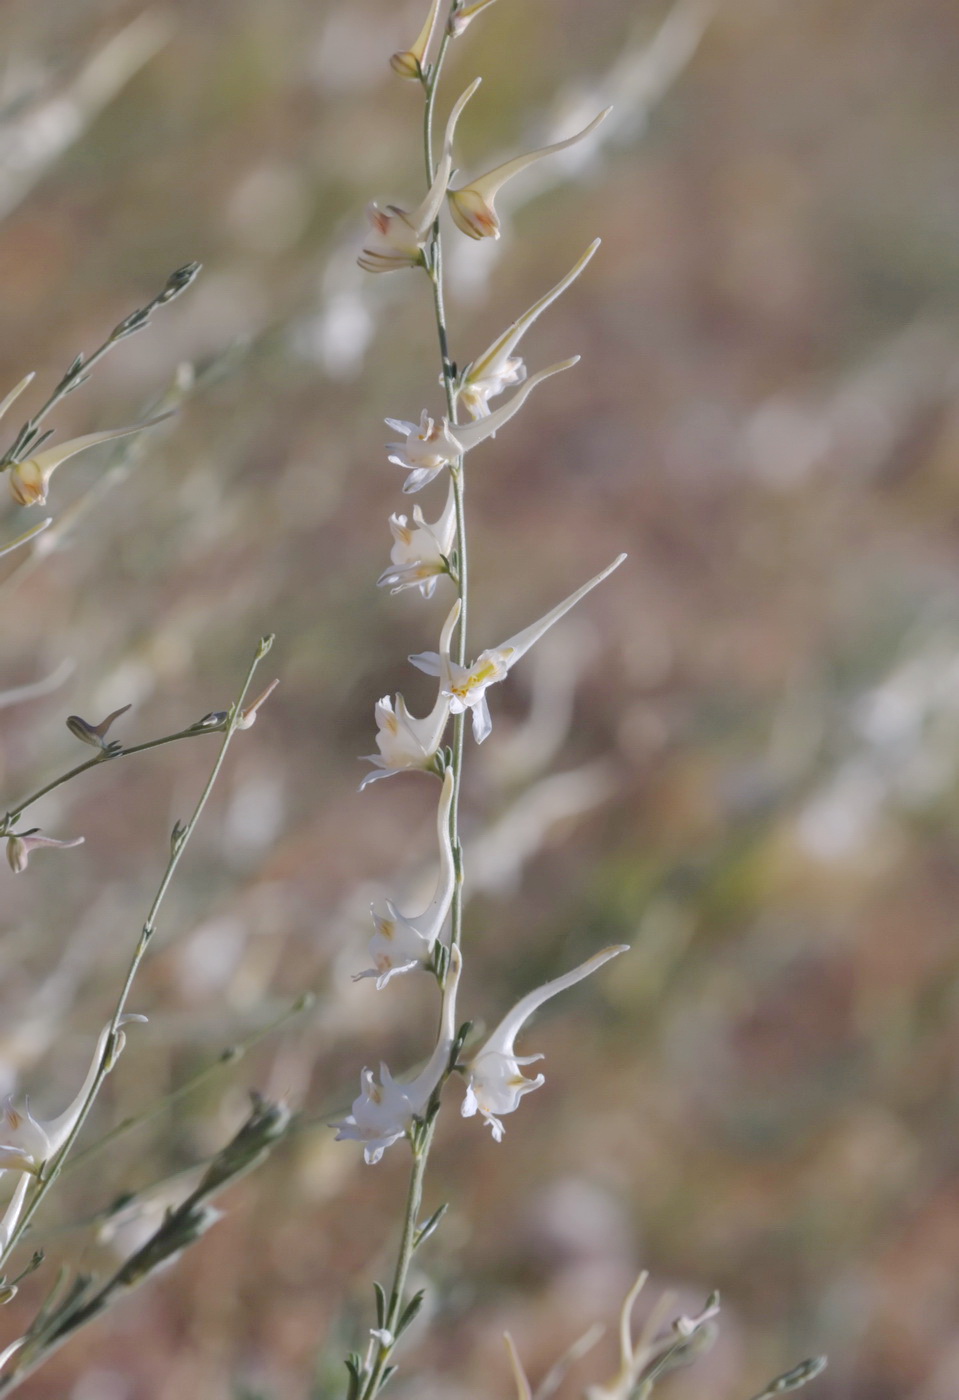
(423, 1139)
(178, 844)
(14, 813)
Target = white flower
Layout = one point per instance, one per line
(472, 205)
(431, 446)
(399, 235)
(405, 742)
(30, 480)
(384, 1112)
(400, 944)
(466, 685)
(420, 551)
(497, 367)
(495, 1083)
(26, 1143)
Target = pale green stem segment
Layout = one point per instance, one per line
(422, 1140)
(178, 844)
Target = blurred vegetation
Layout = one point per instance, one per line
(764, 724)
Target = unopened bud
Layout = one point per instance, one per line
(247, 717)
(30, 480)
(94, 734)
(410, 62)
(464, 15)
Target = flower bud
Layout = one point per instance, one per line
(472, 206)
(29, 480)
(410, 62)
(94, 734)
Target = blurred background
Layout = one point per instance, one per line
(740, 755)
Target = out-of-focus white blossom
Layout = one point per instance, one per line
(420, 551)
(495, 1083)
(30, 480)
(405, 742)
(409, 62)
(472, 205)
(26, 1143)
(430, 445)
(20, 847)
(384, 1112)
(466, 686)
(402, 943)
(399, 235)
(497, 367)
(633, 1361)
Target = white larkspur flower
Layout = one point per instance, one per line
(384, 1112)
(406, 743)
(472, 204)
(420, 551)
(26, 1143)
(400, 235)
(497, 367)
(430, 446)
(30, 480)
(495, 1083)
(466, 686)
(402, 943)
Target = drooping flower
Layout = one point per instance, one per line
(399, 235)
(495, 1083)
(409, 62)
(402, 943)
(30, 480)
(384, 1112)
(26, 1143)
(491, 372)
(20, 846)
(466, 686)
(430, 446)
(405, 742)
(472, 205)
(420, 552)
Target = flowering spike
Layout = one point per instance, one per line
(489, 375)
(29, 480)
(429, 446)
(410, 62)
(404, 742)
(466, 686)
(384, 1112)
(399, 235)
(402, 943)
(472, 205)
(19, 848)
(494, 1081)
(420, 552)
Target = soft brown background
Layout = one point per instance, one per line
(762, 1096)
